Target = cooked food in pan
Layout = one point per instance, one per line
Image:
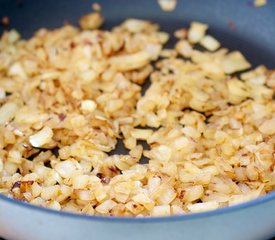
(200, 137)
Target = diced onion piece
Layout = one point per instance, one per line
(163, 210)
(91, 21)
(153, 49)
(36, 189)
(7, 112)
(205, 206)
(88, 106)
(106, 206)
(130, 61)
(50, 192)
(260, 3)
(181, 33)
(166, 196)
(235, 62)
(136, 152)
(196, 31)
(141, 134)
(210, 43)
(268, 127)
(135, 25)
(86, 195)
(14, 36)
(213, 69)
(193, 193)
(184, 48)
(161, 153)
(17, 70)
(54, 205)
(167, 5)
(271, 80)
(259, 72)
(1, 165)
(80, 181)
(2, 93)
(163, 37)
(176, 210)
(42, 137)
(114, 105)
(144, 200)
(258, 92)
(96, 7)
(181, 143)
(191, 132)
(65, 168)
(238, 91)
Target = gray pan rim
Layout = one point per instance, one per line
(258, 201)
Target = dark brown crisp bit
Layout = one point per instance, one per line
(27, 147)
(105, 180)
(61, 116)
(72, 45)
(5, 21)
(272, 167)
(16, 185)
(113, 169)
(99, 175)
(30, 182)
(23, 185)
(181, 194)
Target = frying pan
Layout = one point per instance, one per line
(239, 26)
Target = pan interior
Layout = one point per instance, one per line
(238, 25)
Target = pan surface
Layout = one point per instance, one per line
(239, 26)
